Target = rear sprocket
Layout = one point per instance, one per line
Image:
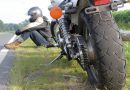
(84, 61)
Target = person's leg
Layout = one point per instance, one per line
(45, 34)
(24, 36)
(38, 39)
(35, 36)
(18, 41)
(47, 37)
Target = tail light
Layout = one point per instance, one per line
(101, 2)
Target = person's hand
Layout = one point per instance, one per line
(31, 20)
(18, 32)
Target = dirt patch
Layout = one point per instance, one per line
(78, 83)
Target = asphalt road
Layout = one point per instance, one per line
(6, 58)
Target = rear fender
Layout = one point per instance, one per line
(81, 4)
(82, 19)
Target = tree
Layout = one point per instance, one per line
(11, 27)
(123, 19)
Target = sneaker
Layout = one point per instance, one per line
(12, 45)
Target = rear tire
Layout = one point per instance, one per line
(109, 49)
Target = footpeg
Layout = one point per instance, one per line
(51, 45)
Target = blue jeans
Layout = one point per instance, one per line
(35, 35)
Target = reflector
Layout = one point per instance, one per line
(101, 2)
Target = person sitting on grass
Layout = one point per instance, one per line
(38, 30)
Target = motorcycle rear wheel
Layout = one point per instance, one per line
(109, 49)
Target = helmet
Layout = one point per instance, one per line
(35, 12)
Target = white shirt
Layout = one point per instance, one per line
(38, 21)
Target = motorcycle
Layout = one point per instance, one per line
(85, 30)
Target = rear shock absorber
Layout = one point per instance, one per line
(64, 26)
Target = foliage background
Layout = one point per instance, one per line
(123, 19)
(11, 27)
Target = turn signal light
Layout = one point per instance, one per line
(56, 12)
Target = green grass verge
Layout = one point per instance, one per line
(30, 72)
(127, 53)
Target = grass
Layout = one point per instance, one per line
(31, 72)
(127, 53)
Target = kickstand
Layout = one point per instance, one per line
(57, 58)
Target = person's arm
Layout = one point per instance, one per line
(33, 25)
